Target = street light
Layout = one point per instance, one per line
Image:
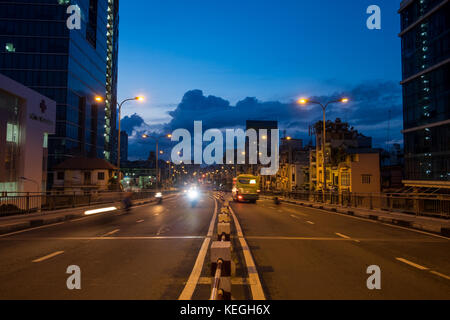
(146, 136)
(139, 98)
(304, 101)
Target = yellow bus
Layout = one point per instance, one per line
(246, 188)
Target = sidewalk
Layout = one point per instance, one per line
(20, 222)
(429, 224)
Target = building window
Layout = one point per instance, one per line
(101, 176)
(345, 179)
(366, 178)
(60, 175)
(10, 47)
(12, 133)
(45, 144)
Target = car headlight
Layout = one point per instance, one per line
(158, 195)
(193, 194)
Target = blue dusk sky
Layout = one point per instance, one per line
(203, 59)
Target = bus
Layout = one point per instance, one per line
(246, 188)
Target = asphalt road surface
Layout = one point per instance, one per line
(304, 253)
(145, 254)
(151, 252)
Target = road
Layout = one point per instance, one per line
(304, 253)
(152, 252)
(146, 254)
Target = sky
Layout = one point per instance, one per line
(227, 61)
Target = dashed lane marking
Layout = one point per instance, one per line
(54, 254)
(111, 233)
(415, 265)
(440, 275)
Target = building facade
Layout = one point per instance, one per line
(340, 138)
(83, 175)
(71, 67)
(27, 118)
(425, 35)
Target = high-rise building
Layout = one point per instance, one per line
(70, 66)
(123, 146)
(425, 35)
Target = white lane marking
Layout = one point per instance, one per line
(111, 233)
(342, 235)
(191, 284)
(415, 265)
(310, 222)
(295, 217)
(255, 283)
(372, 221)
(346, 237)
(139, 221)
(54, 254)
(440, 275)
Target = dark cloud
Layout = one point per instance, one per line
(372, 106)
(130, 122)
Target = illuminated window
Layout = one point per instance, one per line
(45, 145)
(12, 133)
(10, 47)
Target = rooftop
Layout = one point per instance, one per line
(85, 164)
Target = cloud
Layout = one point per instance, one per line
(373, 106)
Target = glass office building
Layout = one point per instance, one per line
(425, 38)
(70, 66)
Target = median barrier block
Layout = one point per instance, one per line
(224, 228)
(223, 217)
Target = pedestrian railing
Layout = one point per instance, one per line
(437, 205)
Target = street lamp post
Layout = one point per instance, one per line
(118, 135)
(324, 108)
(100, 99)
(145, 136)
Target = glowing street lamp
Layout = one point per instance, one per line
(304, 101)
(139, 98)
